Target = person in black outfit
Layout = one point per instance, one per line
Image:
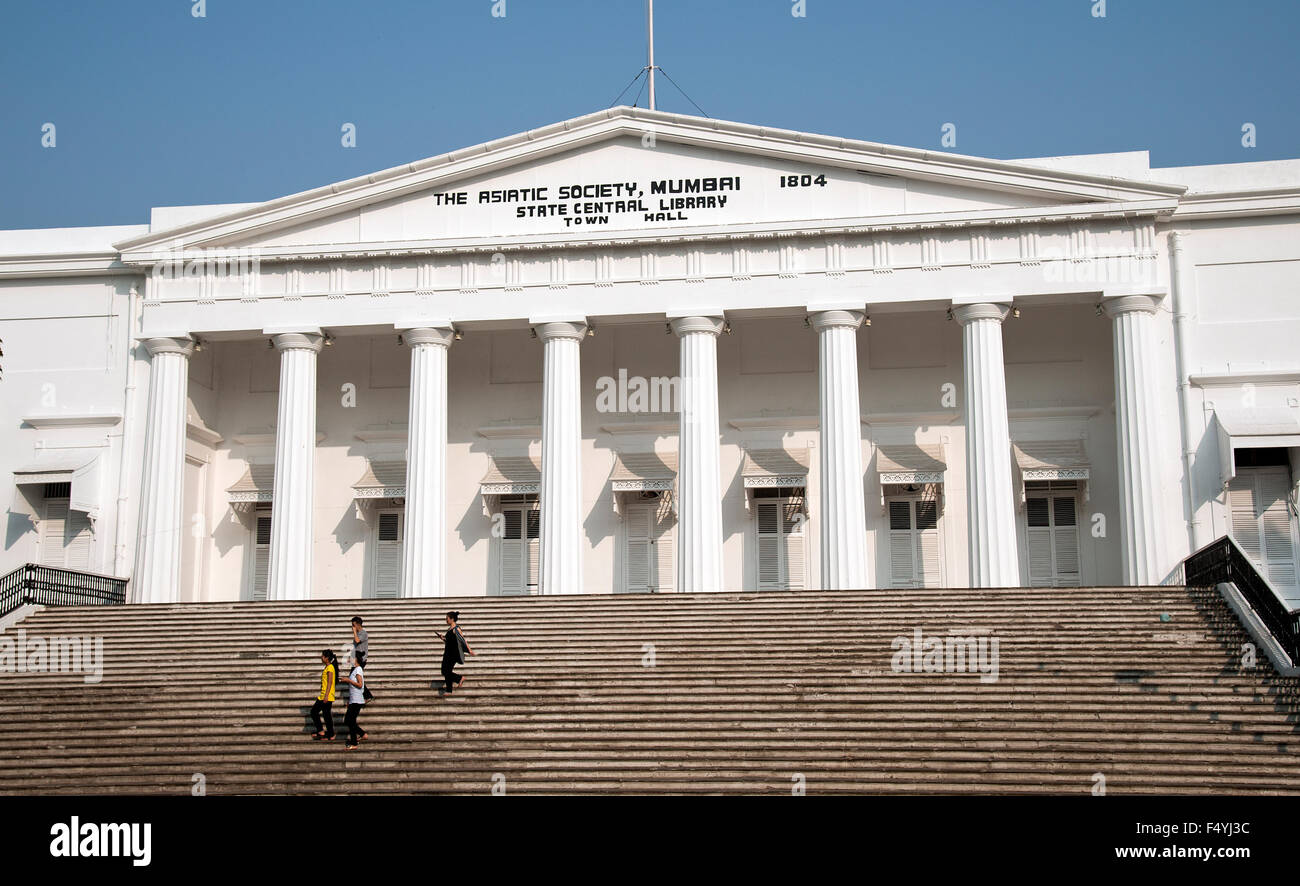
(454, 649)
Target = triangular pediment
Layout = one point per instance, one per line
(635, 172)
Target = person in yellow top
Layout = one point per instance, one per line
(323, 708)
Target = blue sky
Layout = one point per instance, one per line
(153, 106)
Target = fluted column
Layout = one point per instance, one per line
(158, 548)
(1137, 417)
(699, 480)
(843, 511)
(424, 572)
(994, 561)
(295, 468)
(561, 495)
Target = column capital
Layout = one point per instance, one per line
(964, 314)
(560, 329)
(1124, 304)
(712, 325)
(179, 344)
(298, 341)
(832, 319)
(440, 336)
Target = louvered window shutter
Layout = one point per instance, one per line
(512, 552)
(261, 557)
(665, 567)
(53, 529)
(793, 538)
(388, 556)
(769, 544)
(902, 546)
(639, 549)
(1038, 535)
(533, 548)
(927, 543)
(1272, 491)
(1065, 540)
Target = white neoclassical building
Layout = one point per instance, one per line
(637, 351)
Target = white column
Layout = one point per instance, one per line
(994, 561)
(158, 549)
(843, 511)
(699, 479)
(295, 468)
(1137, 417)
(424, 572)
(561, 493)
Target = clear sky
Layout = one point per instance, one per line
(153, 106)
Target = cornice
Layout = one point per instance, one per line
(77, 420)
(1238, 204)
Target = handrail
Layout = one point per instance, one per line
(39, 585)
(1224, 561)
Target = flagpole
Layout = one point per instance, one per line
(651, 66)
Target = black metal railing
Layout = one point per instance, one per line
(53, 586)
(1224, 561)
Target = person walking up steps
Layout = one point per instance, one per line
(454, 649)
(361, 650)
(323, 709)
(356, 699)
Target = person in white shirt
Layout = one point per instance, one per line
(356, 681)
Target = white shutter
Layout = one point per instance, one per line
(1241, 504)
(512, 551)
(1269, 510)
(902, 545)
(769, 544)
(77, 544)
(261, 557)
(639, 549)
(1038, 536)
(533, 547)
(665, 566)
(794, 542)
(1065, 541)
(388, 555)
(53, 528)
(927, 543)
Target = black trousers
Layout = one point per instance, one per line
(325, 709)
(449, 673)
(354, 729)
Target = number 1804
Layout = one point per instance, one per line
(803, 181)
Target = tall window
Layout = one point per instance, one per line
(1261, 514)
(781, 516)
(1052, 533)
(390, 535)
(649, 553)
(914, 559)
(261, 566)
(520, 545)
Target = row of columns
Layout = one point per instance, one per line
(994, 558)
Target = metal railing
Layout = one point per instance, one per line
(52, 586)
(1224, 561)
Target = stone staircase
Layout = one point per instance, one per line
(747, 692)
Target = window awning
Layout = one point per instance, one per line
(910, 463)
(643, 471)
(512, 475)
(1253, 428)
(382, 479)
(80, 471)
(257, 486)
(1051, 460)
(764, 468)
